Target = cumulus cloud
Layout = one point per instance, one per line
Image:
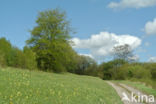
(132, 4)
(150, 27)
(102, 44)
(134, 58)
(152, 59)
(89, 55)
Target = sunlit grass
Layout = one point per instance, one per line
(36, 87)
(141, 86)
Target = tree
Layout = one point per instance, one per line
(5, 48)
(30, 58)
(92, 70)
(152, 68)
(122, 52)
(50, 41)
(2, 59)
(110, 69)
(83, 63)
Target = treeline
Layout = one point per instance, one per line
(14, 57)
(48, 49)
(122, 70)
(69, 61)
(122, 67)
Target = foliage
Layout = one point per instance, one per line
(152, 68)
(50, 41)
(14, 57)
(134, 71)
(5, 50)
(30, 59)
(110, 69)
(123, 70)
(2, 59)
(84, 62)
(123, 52)
(91, 70)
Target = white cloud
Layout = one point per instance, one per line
(150, 27)
(132, 4)
(102, 44)
(152, 59)
(89, 55)
(134, 58)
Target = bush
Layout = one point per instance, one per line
(152, 68)
(30, 59)
(134, 71)
(92, 70)
(2, 59)
(14, 57)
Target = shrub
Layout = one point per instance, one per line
(137, 71)
(2, 59)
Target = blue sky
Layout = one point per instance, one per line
(88, 17)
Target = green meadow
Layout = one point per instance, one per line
(36, 87)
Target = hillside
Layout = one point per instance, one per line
(36, 87)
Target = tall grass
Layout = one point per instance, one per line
(36, 87)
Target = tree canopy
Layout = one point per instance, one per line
(50, 41)
(122, 52)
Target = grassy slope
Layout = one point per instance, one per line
(140, 86)
(25, 87)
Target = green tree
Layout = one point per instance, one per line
(83, 62)
(2, 59)
(152, 68)
(30, 59)
(50, 41)
(110, 69)
(18, 58)
(92, 70)
(5, 48)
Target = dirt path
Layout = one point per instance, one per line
(125, 93)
